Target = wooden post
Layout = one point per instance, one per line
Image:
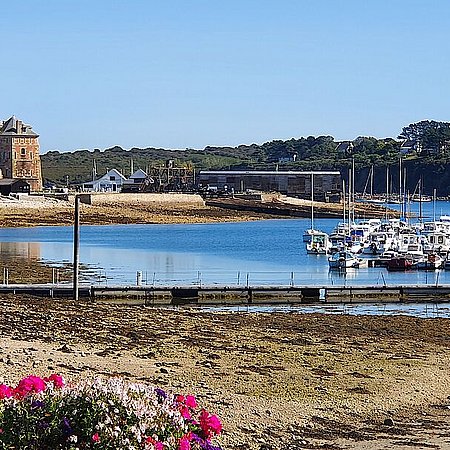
(76, 247)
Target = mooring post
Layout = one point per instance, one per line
(76, 247)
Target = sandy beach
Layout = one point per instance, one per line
(278, 381)
(40, 211)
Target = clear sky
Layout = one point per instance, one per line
(176, 74)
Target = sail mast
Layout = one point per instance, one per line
(312, 200)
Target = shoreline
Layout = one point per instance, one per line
(110, 209)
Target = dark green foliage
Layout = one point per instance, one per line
(430, 158)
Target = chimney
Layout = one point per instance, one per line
(19, 126)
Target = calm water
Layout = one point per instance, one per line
(264, 252)
(424, 310)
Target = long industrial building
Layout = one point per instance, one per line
(327, 184)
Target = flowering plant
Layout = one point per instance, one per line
(101, 414)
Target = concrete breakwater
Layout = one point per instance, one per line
(255, 295)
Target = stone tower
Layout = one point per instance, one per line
(19, 153)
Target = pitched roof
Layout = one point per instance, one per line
(138, 174)
(14, 126)
(11, 181)
(108, 174)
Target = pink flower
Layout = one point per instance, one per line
(95, 437)
(190, 401)
(157, 445)
(5, 391)
(184, 443)
(185, 413)
(209, 424)
(215, 424)
(56, 379)
(29, 385)
(184, 405)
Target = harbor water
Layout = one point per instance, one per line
(266, 253)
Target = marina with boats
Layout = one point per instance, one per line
(394, 244)
(408, 242)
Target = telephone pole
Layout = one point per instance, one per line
(76, 248)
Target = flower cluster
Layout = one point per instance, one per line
(101, 414)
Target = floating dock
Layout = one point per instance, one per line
(238, 295)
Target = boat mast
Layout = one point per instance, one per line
(345, 198)
(387, 190)
(434, 205)
(353, 189)
(371, 181)
(405, 195)
(420, 199)
(400, 187)
(349, 197)
(312, 200)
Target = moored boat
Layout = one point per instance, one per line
(320, 244)
(343, 260)
(432, 261)
(400, 263)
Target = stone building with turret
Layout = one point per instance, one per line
(19, 153)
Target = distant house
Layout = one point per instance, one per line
(112, 181)
(345, 147)
(409, 146)
(13, 186)
(284, 159)
(137, 182)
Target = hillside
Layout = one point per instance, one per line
(424, 159)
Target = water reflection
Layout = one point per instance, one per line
(27, 250)
(423, 310)
(257, 253)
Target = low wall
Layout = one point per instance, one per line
(144, 198)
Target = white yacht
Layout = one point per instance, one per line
(343, 260)
(320, 244)
(379, 242)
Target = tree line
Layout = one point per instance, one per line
(424, 147)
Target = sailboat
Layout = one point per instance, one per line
(307, 235)
(369, 197)
(317, 242)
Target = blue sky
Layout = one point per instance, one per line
(177, 74)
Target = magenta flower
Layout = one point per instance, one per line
(190, 401)
(5, 391)
(56, 379)
(184, 443)
(209, 424)
(29, 385)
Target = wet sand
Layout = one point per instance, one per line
(279, 381)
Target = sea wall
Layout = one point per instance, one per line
(141, 198)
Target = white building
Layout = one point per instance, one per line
(137, 181)
(112, 181)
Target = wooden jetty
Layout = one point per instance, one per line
(237, 295)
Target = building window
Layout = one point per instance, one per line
(23, 152)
